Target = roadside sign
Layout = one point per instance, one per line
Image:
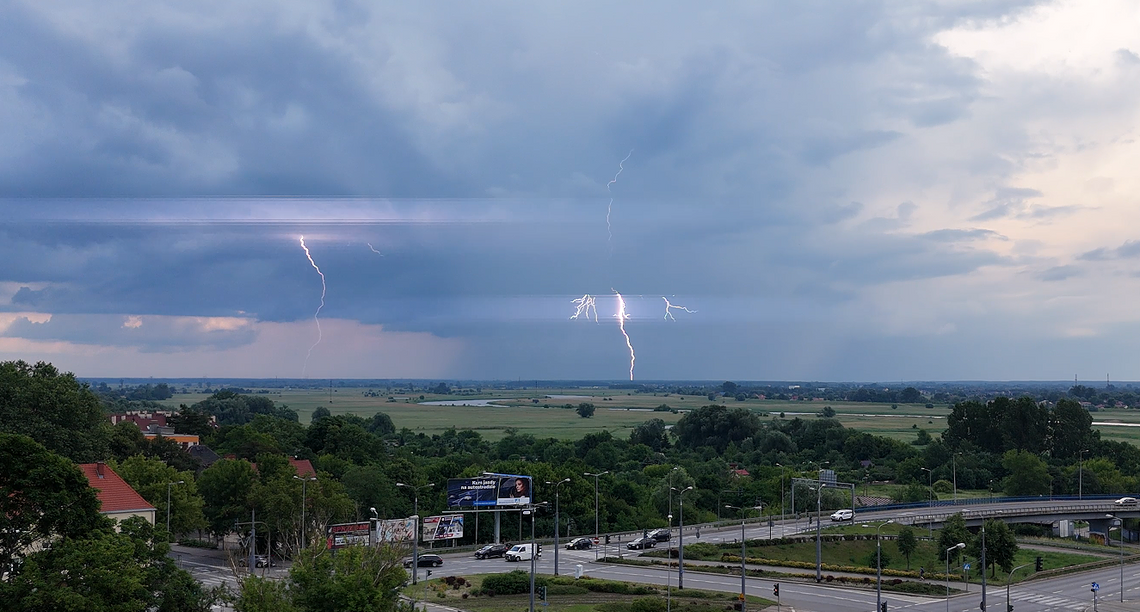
(740, 596)
(1095, 587)
(965, 566)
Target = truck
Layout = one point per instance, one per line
(521, 552)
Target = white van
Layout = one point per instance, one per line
(843, 515)
(521, 552)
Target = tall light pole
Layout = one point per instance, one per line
(556, 522)
(1008, 580)
(304, 526)
(929, 500)
(669, 574)
(374, 526)
(1117, 518)
(1081, 473)
(958, 546)
(818, 545)
(171, 484)
(681, 538)
(782, 508)
(743, 550)
(416, 535)
(533, 547)
(879, 566)
(954, 462)
(596, 507)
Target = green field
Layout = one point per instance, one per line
(618, 411)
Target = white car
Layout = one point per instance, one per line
(521, 552)
(1126, 501)
(843, 515)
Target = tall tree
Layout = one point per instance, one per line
(953, 533)
(1070, 430)
(53, 409)
(150, 477)
(1028, 474)
(226, 487)
(907, 543)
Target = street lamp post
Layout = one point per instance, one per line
(681, 539)
(1117, 518)
(1007, 581)
(782, 509)
(879, 566)
(253, 540)
(533, 548)
(929, 500)
(416, 535)
(818, 545)
(743, 550)
(168, 485)
(596, 508)
(958, 546)
(669, 574)
(304, 527)
(1081, 473)
(557, 524)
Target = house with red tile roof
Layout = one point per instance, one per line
(119, 500)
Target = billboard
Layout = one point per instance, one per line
(446, 527)
(395, 530)
(348, 534)
(491, 491)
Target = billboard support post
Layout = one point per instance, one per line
(416, 533)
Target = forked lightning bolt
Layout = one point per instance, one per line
(669, 307)
(621, 317)
(584, 305)
(610, 206)
(317, 320)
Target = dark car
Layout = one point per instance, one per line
(426, 561)
(661, 535)
(492, 550)
(580, 544)
(641, 544)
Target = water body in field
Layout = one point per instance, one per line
(470, 402)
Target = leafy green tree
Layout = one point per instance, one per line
(355, 579)
(1028, 474)
(1070, 429)
(907, 544)
(150, 476)
(42, 496)
(953, 532)
(256, 594)
(53, 409)
(585, 410)
(651, 433)
(226, 486)
(381, 425)
(1001, 546)
(320, 413)
(716, 426)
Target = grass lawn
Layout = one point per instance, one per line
(861, 553)
(617, 411)
(571, 596)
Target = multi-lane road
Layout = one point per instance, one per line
(1070, 592)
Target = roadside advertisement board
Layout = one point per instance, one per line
(446, 527)
(348, 534)
(396, 530)
(492, 491)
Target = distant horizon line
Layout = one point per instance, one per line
(586, 381)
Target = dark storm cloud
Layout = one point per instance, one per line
(150, 334)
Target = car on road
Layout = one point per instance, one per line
(661, 535)
(1126, 501)
(428, 560)
(843, 515)
(259, 561)
(521, 552)
(492, 550)
(580, 544)
(641, 543)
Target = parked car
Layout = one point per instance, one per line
(1126, 501)
(843, 515)
(428, 560)
(492, 550)
(580, 544)
(661, 535)
(521, 552)
(641, 543)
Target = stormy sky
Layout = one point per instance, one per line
(867, 191)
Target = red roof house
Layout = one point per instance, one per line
(119, 501)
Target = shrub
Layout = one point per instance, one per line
(514, 582)
(647, 604)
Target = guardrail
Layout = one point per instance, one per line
(968, 514)
(938, 503)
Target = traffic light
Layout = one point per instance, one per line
(1008, 607)
(776, 589)
(883, 607)
(1038, 565)
(542, 593)
(607, 538)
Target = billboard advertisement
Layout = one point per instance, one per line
(348, 534)
(446, 527)
(395, 530)
(491, 491)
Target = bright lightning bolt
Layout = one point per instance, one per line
(610, 206)
(373, 249)
(584, 305)
(621, 317)
(318, 321)
(669, 307)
